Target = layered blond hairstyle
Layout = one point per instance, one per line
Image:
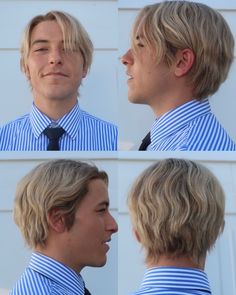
(170, 26)
(177, 209)
(58, 184)
(74, 35)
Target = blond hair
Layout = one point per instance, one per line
(59, 184)
(74, 35)
(175, 25)
(177, 209)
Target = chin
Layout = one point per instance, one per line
(100, 263)
(136, 99)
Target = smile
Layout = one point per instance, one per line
(54, 74)
(130, 77)
(106, 243)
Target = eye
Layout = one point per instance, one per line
(40, 49)
(140, 45)
(102, 209)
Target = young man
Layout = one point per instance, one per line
(56, 54)
(62, 210)
(177, 212)
(181, 53)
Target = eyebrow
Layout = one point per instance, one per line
(39, 41)
(42, 41)
(106, 203)
(139, 36)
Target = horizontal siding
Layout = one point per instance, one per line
(123, 168)
(17, 168)
(98, 90)
(94, 16)
(223, 102)
(221, 263)
(217, 4)
(99, 281)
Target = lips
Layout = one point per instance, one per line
(55, 74)
(107, 240)
(130, 77)
(106, 243)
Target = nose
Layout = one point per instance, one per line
(127, 58)
(55, 57)
(112, 225)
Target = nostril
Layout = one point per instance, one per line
(123, 61)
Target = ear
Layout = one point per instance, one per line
(136, 235)
(85, 71)
(56, 221)
(184, 62)
(26, 71)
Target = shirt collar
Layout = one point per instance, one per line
(69, 122)
(174, 120)
(170, 277)
(57, 272)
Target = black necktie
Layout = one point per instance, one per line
(145, 142)
(86, 292)
(53, 135)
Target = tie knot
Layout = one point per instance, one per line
(53, 134)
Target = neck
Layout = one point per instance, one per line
(182, 261)
(58, 255)
(171, 99)
(53, 109)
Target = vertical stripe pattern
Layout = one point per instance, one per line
(84, 132)
(190, 127)
(46, 276)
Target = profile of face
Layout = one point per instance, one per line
(54, 74)
(147, 80)
(87, 240)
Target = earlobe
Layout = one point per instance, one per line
(26, 71)
(56, 220)
(136, 235)
(85, 71)
(184, 61)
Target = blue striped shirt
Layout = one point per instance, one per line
(174, 281)
(46, 276)
(83, 132)
(190, 127)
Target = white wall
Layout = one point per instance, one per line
(104, 90)
(124, 270)
(14, 255)
(136, 120)
(99, 90)
(221, 263)
(104, 93)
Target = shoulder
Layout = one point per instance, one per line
(15, 123)
(32, 283)
(206, 133)
(97, 121)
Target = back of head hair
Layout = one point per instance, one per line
(174, 25)
(59, 184)
(177, 209)
(74, 35)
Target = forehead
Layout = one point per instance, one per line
(97, 195)
(47, 30)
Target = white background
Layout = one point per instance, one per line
(136, 120)
(104, 93)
